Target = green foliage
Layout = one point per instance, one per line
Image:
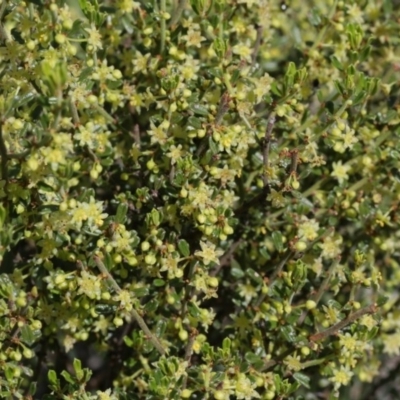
(200, 195)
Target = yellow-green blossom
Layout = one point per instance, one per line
(341, 376)
(94, 39)
(340, 171)
(208, 253)
(89, 285)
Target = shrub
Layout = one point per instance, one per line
(199, 199)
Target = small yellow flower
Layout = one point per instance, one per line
(89, 285)
(208, 253)
(94, 37)
(308, 229)
(331, 247)
(391, 344)
(293, 363)
(125, 298)
(193, 36)
(341, 377)
(175, 153)
(245, 389)
(243, 50)
(340, 171)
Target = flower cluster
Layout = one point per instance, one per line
(204, 192)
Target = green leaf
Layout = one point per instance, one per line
(382, 300)
(220, 46)
(291, 71)
(141, 292)
(199, 109)
(194, 310)
(292, 388)
(160, 328)
(67, 376)
(155, 217)
(373, 332)
(288, 333)
(255, 276)
(183, 246)
(105, 309)
(213, 146)
(226, 344)
(236, 270)
(158, 282)
(275, 90)
(78, 368)
(206, 160)
(336, 63)
(278, 383)
(27, 335)
(108, 261)
(32, 388)
(195, 122)
(314, 17)
(277, 240)
(365, 209)
(52, 377)
(264, 253)
(254, 360)
(303, 379)
(121, 213)
(151, 305)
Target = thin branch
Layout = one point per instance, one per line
(177, 13)
(322, 289)
(4, 155)
(3, 7)
(294, 159)
(267, 147)
(171, 175)
(222, 108)
(385, 381)
(163, 25)
(286, 257)
(371, 309)
(322, 335)
(289, 254)
(3, 33)
(257, 45)
(134, 313)
(189, 347)
(189, 352)
(74, 112)
(226, 257)
(136, 135)
(189, 291)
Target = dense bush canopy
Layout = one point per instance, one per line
(199, 199)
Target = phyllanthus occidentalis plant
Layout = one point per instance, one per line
(198, 199)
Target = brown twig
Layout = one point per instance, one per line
(322, 289)
(222, 108)
(134, 313)
(294, 159)
(371, 309)
(189, 352)
(136, 134)
(226, 257)
(257, 45)
(267, 146)
(74, 112)
(4, 155)
(288, 256)
(322, 335)
(177, 13)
